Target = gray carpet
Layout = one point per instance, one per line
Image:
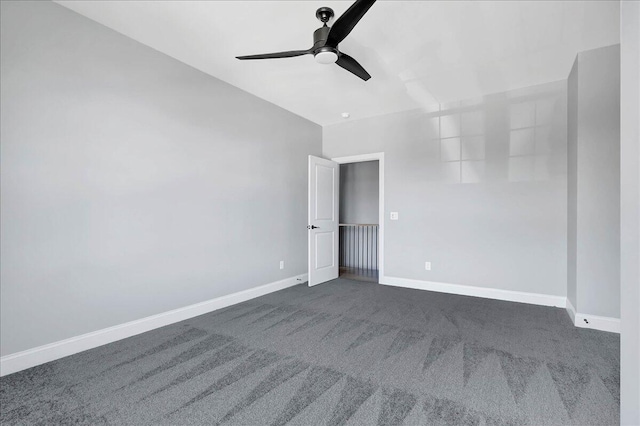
(344, 352)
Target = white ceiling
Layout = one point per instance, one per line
(419, 53)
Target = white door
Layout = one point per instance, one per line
(323, 220)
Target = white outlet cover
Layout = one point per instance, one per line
(282, 264)
(427, 266)
(393, 216)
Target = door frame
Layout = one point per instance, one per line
(379, 156)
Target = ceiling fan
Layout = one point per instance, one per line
(326, 40)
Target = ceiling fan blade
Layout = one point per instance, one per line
(289, 54)
(351, 65)
(345, 23)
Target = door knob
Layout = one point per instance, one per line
(312, 227)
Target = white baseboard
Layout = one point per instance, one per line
(488, 293)
(571, 311)
(36, 356)
(578, 319)
(595, 322)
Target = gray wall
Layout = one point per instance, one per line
(480, 187)
(133, 184)
(594, 182)
(630, 213)
(359, 187)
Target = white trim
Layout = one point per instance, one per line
(578, 319)
(379, 156)
(571, 311)
(488, 293)
(594, 322)
(609, 324)
(36, 356)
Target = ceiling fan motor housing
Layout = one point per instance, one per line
(323, 54)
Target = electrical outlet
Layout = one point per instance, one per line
(427, 266)
(393, 216)
(282, 264)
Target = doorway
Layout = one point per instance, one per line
(361, 214)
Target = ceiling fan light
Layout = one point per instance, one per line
(326, 57)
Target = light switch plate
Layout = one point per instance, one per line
(427, 266)
(394, 216)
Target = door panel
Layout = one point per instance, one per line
(323, 220)
(325, 178)
(324, 250)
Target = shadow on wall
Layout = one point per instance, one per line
(504, 137)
